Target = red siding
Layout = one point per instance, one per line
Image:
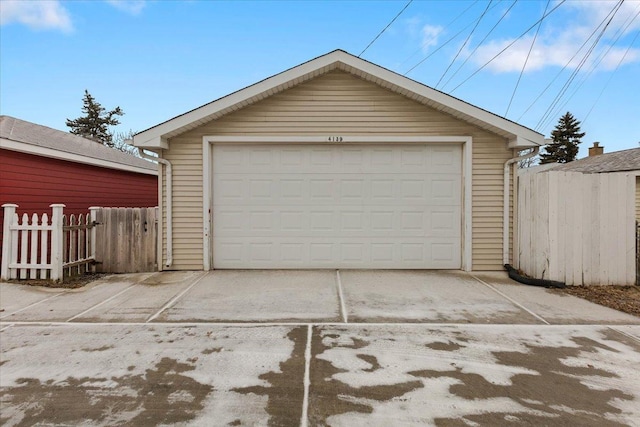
(34, 182)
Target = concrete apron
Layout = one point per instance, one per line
(316, 296)
(412, 358)
(340, 375)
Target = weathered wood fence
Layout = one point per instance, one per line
(577, 228)
(112, 240)
(128, 240)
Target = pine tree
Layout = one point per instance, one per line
(96, 121)
(566, 136)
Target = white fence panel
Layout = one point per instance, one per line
(29, 253)
(577, 228)
(68, 246)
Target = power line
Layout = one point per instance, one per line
(547, 115)
(526, 60)
(465, 43)
(600, 59)
(611, 76)
(446, 26)
(443, 45)
(560, 72)
(479, 44)
(385, 28)
(509, 45)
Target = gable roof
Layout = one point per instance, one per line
(518, 135)
(27, 137)
(617, 161)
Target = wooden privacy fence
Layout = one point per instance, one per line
(577, 228)
(37, 248)
(127, 240)
(110, 240)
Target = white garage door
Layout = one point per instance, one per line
(337, 206)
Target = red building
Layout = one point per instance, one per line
(40, 166)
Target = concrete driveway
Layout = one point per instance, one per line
(341, 348)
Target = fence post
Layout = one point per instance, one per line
(56, 242)
(94, 233)
(9, 212)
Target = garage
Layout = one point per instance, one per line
(337, 205)
(337, 163)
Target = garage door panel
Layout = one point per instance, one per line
(337, 159)
(252, 252)
(340, 189)
(359, 206)
(372, 221)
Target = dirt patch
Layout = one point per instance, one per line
(212, 350)
(622, 298)
(555, 394)
(163, 395)
(103, 348)
(442, 346)
(68, 283)
(328, 396)
(286, 390)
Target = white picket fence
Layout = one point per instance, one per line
(39, 248)
(577, 228)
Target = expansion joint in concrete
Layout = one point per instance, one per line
(343, 308)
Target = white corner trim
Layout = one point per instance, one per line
(51, 153)
(206, 203)
(467, 176)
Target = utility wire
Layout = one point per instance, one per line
(480, 44)
(465, 43)
(559, 72)
(526, 60)
(509, 45)
(443, 45)
(385, 28)
(611, 76)
(600, 59)
(446, 26)
(548, 114)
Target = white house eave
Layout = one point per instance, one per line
(518, 135)
(21, 147)
(157, 142)
(522, 143)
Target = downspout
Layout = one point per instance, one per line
(505, 207)
(166, 163)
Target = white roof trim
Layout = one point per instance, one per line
(518, 135)
(23, 147)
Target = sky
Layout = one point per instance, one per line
(159, 59)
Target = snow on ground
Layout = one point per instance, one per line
(586, 375)
(122, 372)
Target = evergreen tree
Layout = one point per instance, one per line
(565, 139)
(96, 121)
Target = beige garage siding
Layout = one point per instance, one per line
(339, 103)
(186, 159)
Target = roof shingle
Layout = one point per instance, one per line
(30, 133)
(617, 161)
